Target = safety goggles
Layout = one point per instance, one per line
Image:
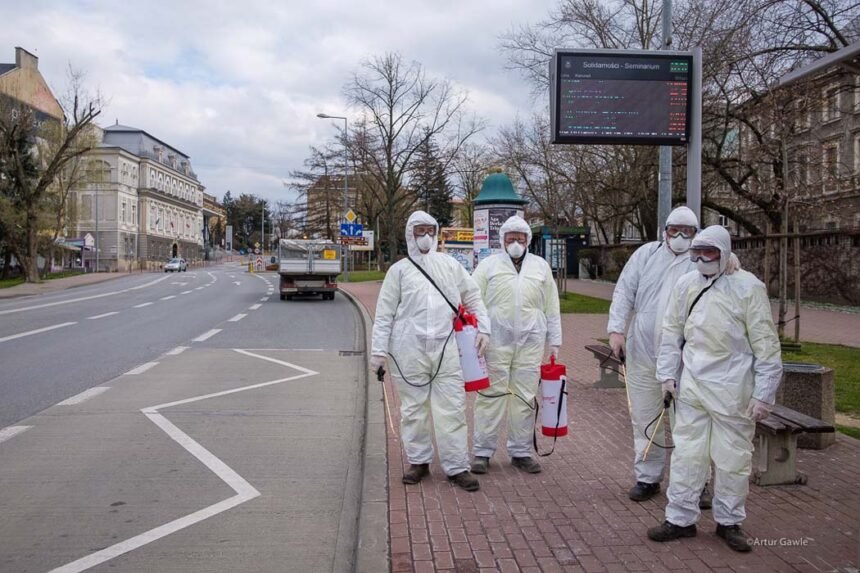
(704, 254)
(421, 230)
(681, 230)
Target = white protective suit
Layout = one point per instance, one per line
(731, 355)
(524, 313)
(412, 323)
(643, 291)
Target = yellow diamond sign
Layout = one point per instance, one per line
(351, 216)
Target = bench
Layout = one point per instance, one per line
(776, 445)
(610, 366)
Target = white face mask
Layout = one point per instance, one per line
(708, 269)
(679, 244)
(425, 243)
(515, 250)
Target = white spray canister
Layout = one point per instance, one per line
(553, 383)
(474, 367)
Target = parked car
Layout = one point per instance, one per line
(177, 265)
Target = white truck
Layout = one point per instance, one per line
(308, 267)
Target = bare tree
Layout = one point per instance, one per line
(51, 148)
(320, 188)
(468, 171)
(401, 108)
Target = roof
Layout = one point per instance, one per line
(848, 52)
(6, 68)
(118, 128)
(497, 188)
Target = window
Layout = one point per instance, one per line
(153, 216)
(857, 153)
(134, 214)
(831, 103)
(801, 110)
(830, 166)
(724, 221)
(122, 212)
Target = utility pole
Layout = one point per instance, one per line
(664, 196)
(97, 229)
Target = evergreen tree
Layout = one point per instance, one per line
(430, 182)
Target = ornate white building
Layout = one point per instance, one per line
(141, 201)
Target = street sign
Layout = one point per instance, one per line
(351, 216)
(351, 229)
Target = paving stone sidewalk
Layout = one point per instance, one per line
(575, 516)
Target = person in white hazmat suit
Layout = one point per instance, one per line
(720, 327)
(522, 300)
(413, 326)
(642, 292)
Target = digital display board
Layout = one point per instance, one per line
(621, 97)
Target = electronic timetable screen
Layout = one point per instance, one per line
(621, 98)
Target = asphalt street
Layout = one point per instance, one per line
(180, 422)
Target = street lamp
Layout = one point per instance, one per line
(345, 187)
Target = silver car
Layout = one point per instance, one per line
(177, 265)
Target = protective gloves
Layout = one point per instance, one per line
(733, 265)
(758, 410)
(671, 387)
(481, 343)
(616, 343)
(376, 362)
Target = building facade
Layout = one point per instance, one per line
(141, 201)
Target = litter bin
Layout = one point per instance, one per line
(809, 389)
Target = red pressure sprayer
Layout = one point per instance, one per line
(553, 383)
(474, 367)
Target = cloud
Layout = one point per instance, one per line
(237, 85)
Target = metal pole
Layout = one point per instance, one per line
(694, 149)
(797, 288)
(664, 180)
(345, 189)
(97, 230)
(263, 229)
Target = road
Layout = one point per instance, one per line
(179, 422)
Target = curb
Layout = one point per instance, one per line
(4, 294)
(373, 552)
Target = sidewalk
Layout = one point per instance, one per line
(826, 326)
(54, 285)
(575, 516)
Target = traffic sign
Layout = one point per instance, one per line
(351, 216)
(351, 229)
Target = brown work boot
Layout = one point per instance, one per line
(734, 537)
(527, 464)
(466, 481)
(480, 465)
(668, 531)
(416, 473)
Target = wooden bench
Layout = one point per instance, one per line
(610, 365)
(776, 445)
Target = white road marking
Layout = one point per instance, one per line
(255, 306)
(98, 316)
(237, 318)
(37, 331)
(177, 351)
(9, 431)
(244, 490)
(264, 299)
(141, 369)
(237, 283)
(185, 292)
(168, 297)
(48, 304)
(180, 284)
(83, 396)
(141, 305)
(199, 288)
(207, 335)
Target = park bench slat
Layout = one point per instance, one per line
(802, 421)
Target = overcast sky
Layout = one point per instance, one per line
(237, 84)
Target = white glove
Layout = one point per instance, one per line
(616, 343)
(733, 265)
(671, 387)
(758, 410)
(553, 351)
(482, 341)
(376, 362)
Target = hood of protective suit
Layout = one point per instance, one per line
(515, 224)
(419, 218)
(716, 236)
(682, 216)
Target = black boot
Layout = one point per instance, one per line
(734, 537)
(706, 500)
(667, 531)
(416, 473)
(466, 481)
(644, 491)
(527, 464)
(480, 465)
